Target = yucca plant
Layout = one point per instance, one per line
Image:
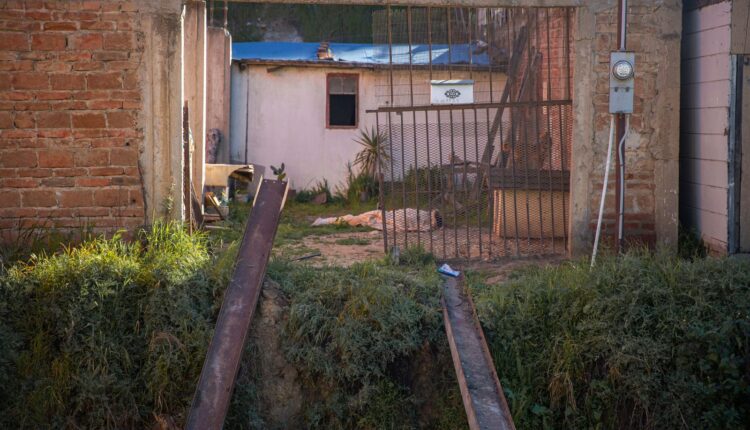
(374, 151)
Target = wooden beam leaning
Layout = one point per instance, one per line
(216, 384)
(482, 394)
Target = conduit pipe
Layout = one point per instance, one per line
(622, 131)
(604, 190)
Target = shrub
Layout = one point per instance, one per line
(642, 342)
(109, 334)
(355, 334)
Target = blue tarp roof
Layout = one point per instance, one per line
(365, 54)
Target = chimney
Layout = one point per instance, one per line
(324, 51)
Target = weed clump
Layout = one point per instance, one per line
(357, 334)
(110, 334)
(640, 342)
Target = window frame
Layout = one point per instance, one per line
(328, 101)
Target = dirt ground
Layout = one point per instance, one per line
(347, 248)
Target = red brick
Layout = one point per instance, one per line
(52, 95)
(130, 81)
(18, 159)
(89, 120)
(55, 158)
(87, 41)
(111, 197)
(58, 182)
(48, 42)
(92, 158)
(53, 120)
(20, 183)
(99, 81)
(78, 171)
(60, 26)
(87, 66)
(30, 81)
(11, 199)
(38, 198)
(118, 41)
(104, 104)
(97, 25)
(91, 5)
(16, 65)
(4, 81)
(123, 157)
(120, 119)
(93, 211)
(75, 198)
(51, 66)
(74, 56)
(105, 171)
(24, 120)
(110, 56)
(10, 41)
(6, 120)
(98, 181)
(67, 82)
(34, 173)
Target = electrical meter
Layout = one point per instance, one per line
(621, 82)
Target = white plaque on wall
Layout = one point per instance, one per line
(451, 92)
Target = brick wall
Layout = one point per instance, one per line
(651, 148)
(69, 109)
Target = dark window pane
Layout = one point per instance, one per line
(342, 109)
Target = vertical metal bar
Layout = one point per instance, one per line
(478, 184)
(442, 180)
(476, 134)
(390, 55)
(464, 184)
(429, 173)
(549, 129)
(490, 192)
(513, 114)
(381, 188)
(453, 186)
(403, 190)
(429, 38)
(393, 180)
(450, 42)
(566, 49)
(537, 73)
(414, 124)
(525, 119)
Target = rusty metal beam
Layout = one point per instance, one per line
(482, 394)
(216, 384)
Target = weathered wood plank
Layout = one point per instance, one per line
(216, 383)
(482, 394)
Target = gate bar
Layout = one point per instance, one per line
(216, 384)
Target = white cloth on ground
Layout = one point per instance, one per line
(408, 219)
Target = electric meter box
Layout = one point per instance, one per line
(451, 92)
(621, 82)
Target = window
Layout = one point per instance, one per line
(342, 100)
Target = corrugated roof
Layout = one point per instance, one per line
(358, 53)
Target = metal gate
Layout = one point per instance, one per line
(485, 179)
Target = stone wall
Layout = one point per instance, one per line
(72, 128)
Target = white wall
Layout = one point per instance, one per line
(280, 116)
(704, 121)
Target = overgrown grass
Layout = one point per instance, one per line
(641, 342)
(358, 335)
(109, 334)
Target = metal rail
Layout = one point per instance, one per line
(481, 392)
(216, 384)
